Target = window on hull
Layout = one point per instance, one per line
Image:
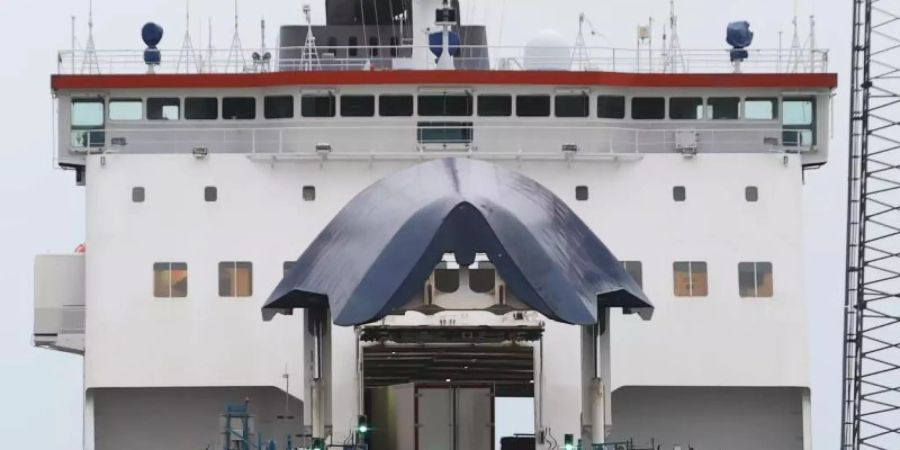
(126, 109)
(495, 105)
(88, 121)
(648, 108)
(357, 105)
(445, 132)
(755, 279)
(170, 280)
(691, 279)
(395, 105)
(235, 279)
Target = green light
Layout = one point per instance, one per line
(570, 447)
(363, 429)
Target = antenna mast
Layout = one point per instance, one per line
(90, 64)
(310, 57)
(188, 54)
(581, 57)
(236, 52)
(674, 60)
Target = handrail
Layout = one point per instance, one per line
(472, 57)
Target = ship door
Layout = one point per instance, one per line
(88, 122)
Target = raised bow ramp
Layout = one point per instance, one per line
(380, 249)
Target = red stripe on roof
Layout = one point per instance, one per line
(444, 77)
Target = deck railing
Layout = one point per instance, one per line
(604, 59)
(406, 141)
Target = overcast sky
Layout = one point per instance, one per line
(41, 209)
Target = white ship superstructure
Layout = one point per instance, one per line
(202, 190)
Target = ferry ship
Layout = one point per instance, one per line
(366, 236)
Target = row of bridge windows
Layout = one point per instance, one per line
(796, 111)
(690, 279)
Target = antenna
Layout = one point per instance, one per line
(674, 59)
(188, 53)
(90, 64)
(236, 52)
(581, 57)
(310, 57)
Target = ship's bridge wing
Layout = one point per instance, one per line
(380, 249)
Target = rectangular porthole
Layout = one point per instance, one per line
(309, 193)
(751, 194)
(201, 108)
(210, 194)
(235, 279)
(170, 280)
(581, 193)
(239, 108)
(755, 279)
(679, 193)
(279, 107)
(636, 270)
(138, 194)
(691, 279)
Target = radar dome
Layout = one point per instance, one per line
(548, 50)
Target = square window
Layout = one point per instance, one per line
(210, 194)
(636, 270)
(87, 113)
(138, 194)
(123, 109)
(395, 105)
(686, 108)
(581, 193)
(494, 105)
(572, 105)
(318, 105)
(239, 108)
(445, 105)
(357, 105)
(679, 193)
(648, 108)
(170, 280)
(533, 106)
(751, 193)
(309, 193)
(724, 108)
(691, 279)
(235, 279)
(755, 279)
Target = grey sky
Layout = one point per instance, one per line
(41, 209)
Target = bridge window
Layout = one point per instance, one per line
(648, 108)
(755, 279)
(799, 121)
(691, 279)
(87, 123)
(533, 106)
(495, 105)
(239, 108)
(357, 105)
(445, 132)
(611, 107)
(126, 109)
(163, 109)
(321, 105)
(235, 279)
(201, 108)
(758, 108)
(395, 105)
(686, 108)
(572, 105)
(170, 280)
(635, 270)
(279, 107)
(724, 108)
(449, 105)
